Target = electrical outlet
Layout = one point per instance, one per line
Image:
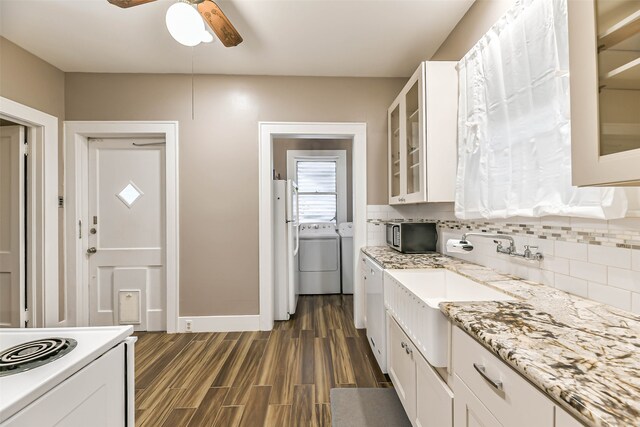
(188, 325)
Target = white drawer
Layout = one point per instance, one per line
(515, 402)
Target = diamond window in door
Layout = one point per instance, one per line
(129, 194)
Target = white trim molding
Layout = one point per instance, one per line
(76, 137)
(268, 131)
(219, 323)
(42, 214)
(340, 157)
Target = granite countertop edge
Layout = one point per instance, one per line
(481, 320)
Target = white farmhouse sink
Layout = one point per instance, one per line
(413, 296)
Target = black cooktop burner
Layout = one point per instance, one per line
(32, 354)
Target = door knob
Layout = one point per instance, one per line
(92, 250)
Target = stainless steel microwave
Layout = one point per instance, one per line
(412, 237)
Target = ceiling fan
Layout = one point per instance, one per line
(187, 27)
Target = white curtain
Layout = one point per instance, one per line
(514, 129)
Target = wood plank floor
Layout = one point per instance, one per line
(278, 378)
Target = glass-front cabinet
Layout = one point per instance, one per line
(604, 49)
(422, 136)
(394, 151)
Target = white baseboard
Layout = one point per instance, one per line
(219, 323)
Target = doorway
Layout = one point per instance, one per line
(122, 223)
(325, 188)
(13, 230)
(268, 135)
(29, 219)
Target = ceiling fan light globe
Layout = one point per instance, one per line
(185, 24)
(207, 37)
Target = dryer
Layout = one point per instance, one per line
(319, 259)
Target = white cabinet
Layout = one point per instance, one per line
(372, 278)
(508, 396)
(426, 398)
(604, 64)
(402, 368)
(434, 399)
(422, 134)
(468, 410)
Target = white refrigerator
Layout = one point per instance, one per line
(286, 228)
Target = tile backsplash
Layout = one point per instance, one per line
(595, 259)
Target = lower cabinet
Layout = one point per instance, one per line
(468, 410)
(508, 396)
(402, 367)
(489, 393)
(426, 398)
(434, 399)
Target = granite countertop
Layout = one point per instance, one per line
(585, 355)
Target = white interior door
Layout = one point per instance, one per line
(12, 214)
(126, 233)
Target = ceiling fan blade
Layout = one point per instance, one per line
(128, 3)
(219, 23)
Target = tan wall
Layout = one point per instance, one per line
(475, 23)
(219, 159)
(29, 80)
(281, 146)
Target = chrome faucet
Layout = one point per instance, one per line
(510, 250)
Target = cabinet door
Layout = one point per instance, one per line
(434, 399)
(402, 368)
(363, 277)
(468, 411)
(395, 184)
(604, 66)
(413, 167)
(376, 328)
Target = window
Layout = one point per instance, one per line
(317, 190)
(321, 176)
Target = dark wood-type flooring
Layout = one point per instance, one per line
(278, 378)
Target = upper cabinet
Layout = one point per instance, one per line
(422, 136)
(604, 49)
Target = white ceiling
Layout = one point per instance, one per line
(364, 38)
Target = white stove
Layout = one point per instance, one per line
(59, 376)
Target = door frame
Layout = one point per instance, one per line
(76, 141)
(268, 131)
(42, 213)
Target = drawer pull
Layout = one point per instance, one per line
(497, 384)
(403, 344)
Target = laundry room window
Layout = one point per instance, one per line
(320, 186)
(317, 190)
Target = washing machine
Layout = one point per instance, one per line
(319, 259)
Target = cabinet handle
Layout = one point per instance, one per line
(403, 344)
(408, 350)
(497, 384)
